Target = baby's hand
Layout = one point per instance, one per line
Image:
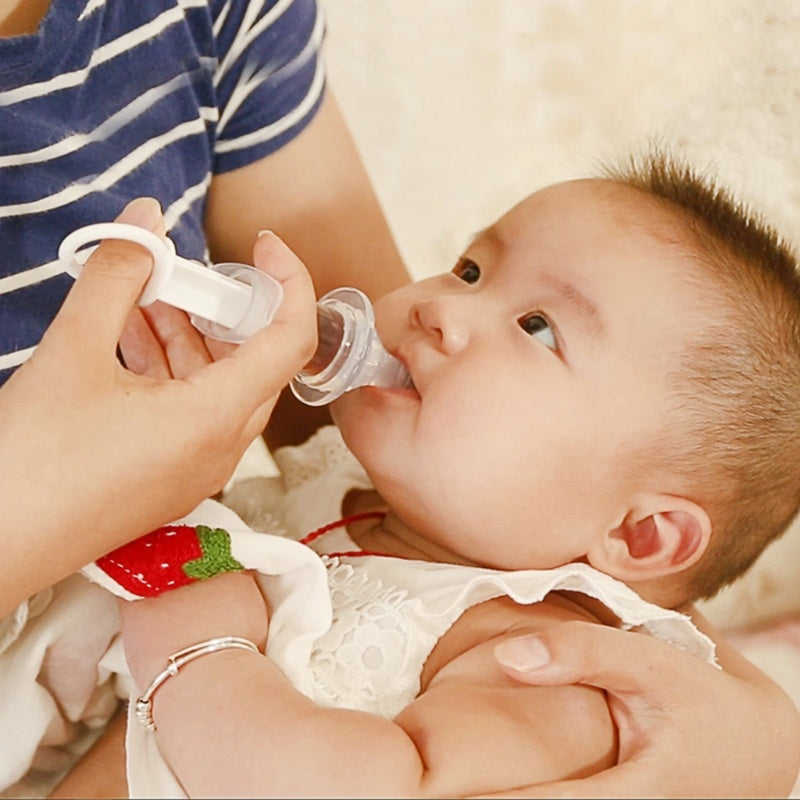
(229, 604)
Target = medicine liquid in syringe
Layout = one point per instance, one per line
(231, 302)
(349, 352)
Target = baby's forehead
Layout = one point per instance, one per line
(581, 208)
(599, 231)
(625, 202)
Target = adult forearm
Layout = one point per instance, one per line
(316, 194)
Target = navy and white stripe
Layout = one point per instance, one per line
(113, 99)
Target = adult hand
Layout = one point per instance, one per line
(92, 455)
(686, 729)
(323, 205)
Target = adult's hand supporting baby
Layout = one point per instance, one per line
(92, 454)
(669, 744)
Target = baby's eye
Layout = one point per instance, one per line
(538, 326)
(467, 270)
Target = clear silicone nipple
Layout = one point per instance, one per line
(349, 353)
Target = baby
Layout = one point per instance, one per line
(593, 433)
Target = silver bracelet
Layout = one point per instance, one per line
(144, 704)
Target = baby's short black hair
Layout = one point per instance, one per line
(735, 431)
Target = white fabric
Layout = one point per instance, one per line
(358, 636)
(53, 693)
(389, 613)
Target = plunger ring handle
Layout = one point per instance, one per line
(74, 252)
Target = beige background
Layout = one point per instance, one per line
(460, 107)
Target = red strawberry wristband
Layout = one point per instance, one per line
(168, 558)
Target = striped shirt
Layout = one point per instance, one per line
(113, 99)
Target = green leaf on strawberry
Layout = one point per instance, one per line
(170, 557)
(216, 546)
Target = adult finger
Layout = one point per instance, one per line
(141, 351)
(618, 661)
(624, 780)
(97, 307)
(258, 421)
(264, 364)
(272, 256)
(182, 344)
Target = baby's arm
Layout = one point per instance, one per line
(231, 724)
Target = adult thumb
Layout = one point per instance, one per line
(97, 307)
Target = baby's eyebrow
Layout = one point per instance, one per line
(586, 309)
(489, 232)
(582, 304)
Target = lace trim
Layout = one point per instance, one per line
(369, 631)
(324, 451)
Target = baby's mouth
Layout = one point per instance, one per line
(408, 384)
(403, 378)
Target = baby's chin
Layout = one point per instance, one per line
(344, 413)
(338, 409)
(347, 409)
(374, 422)
(348, 416)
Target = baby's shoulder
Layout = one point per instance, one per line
(474, 635)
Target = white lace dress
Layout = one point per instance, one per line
(355, 632)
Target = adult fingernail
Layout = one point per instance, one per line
(523, 654)
(143, 211)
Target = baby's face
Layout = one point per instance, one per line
(539, 364)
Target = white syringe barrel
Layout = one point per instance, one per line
(228, 301)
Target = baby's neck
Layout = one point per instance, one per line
(390, 535)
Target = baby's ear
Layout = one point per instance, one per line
(659, 535)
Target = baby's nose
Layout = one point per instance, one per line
(446, 318)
